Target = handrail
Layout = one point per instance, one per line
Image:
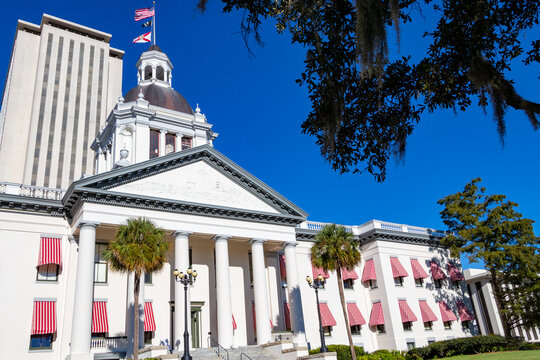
(219, 347)
(244, 354)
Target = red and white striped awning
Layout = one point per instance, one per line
(282, 267)
(349, 274)
(315, 271)
(455, 274)
(427, 313)
(436, 271)
(355, 317)
(234, 326)
(464, 313)
(369, 271)
(50, 251)
(149, 321)
(397, 269)
(406, 311)
(376, 317)
(417, 270)
(446, 313)
(287, 313)
(44, 318)
(326, 316)
(100, 322)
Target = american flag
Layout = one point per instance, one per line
(144, 13)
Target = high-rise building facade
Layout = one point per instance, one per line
(62, 82)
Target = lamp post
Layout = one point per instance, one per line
(319, 282)
(185, 279)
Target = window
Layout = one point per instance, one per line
(186, 143)
(373, 284)
(455, 283)
(429, 342)
(407, 326)
(170, 143)
(381, 329)
(410, 345)
(428, 325)
(327, 330)
(348, 284)
(154, 144)
(465, 325)
(419, 282)
(438, 283)
(448, 325)
(148, 335)
(100, 265)
(356, 329)
(148, 72)
(48, 272)
(160, 73)
(398, 281)
(148, 278)
(41, 341)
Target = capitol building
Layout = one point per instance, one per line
(79, 159)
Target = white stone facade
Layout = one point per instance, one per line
(220, 220)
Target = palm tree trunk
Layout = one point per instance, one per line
(344, 308)
(136, 291)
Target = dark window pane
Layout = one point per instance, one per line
(154, 144)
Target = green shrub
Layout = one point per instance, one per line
(343, 351)
(465, 346)
(385, 355)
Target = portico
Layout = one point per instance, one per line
(216, 241)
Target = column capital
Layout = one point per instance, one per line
(218, 237)
(177, 233)
(86, 223)
(163, 131)
(287, 244)
(256, 240)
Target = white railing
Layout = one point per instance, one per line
(376, 224)
(31, 191)
(109, 343)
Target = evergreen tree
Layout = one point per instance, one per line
(335, 249)
(488, 230)
(138, 247)
(365, 103)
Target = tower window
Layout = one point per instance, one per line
(154, 144)
(147, 72)
(186, 143)
(170, 145)
(160, 73)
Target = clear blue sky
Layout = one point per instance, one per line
(256, 106)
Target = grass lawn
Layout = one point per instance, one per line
(505, 355)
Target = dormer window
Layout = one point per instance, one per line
(186, 143)
(170, 146)
(154, 144)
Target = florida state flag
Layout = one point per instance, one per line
(144, 38)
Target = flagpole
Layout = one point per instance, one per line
(154, 25)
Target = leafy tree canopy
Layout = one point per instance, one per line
(364, 104)
(488, 229)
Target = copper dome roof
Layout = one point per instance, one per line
(161, 96)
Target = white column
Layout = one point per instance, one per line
(295, 298)
(178, 145)
(223, 292)
(162, 142)
(181, 262)
(153, 72)
(264, 332)
(84, 287)
(129, 313)
(141, 312)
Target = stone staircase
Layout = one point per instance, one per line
(254, 352)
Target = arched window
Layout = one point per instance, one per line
(160, 73)
(148, 72)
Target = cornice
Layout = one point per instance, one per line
(400, 237)
(31, 204)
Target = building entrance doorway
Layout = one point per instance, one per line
(196, 334)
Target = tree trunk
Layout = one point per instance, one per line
(500, 304)
(344, 308)
(137, 289)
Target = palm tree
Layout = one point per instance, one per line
(335, 249)
(138, 247)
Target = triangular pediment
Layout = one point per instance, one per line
(198, 179)
(199, 183)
